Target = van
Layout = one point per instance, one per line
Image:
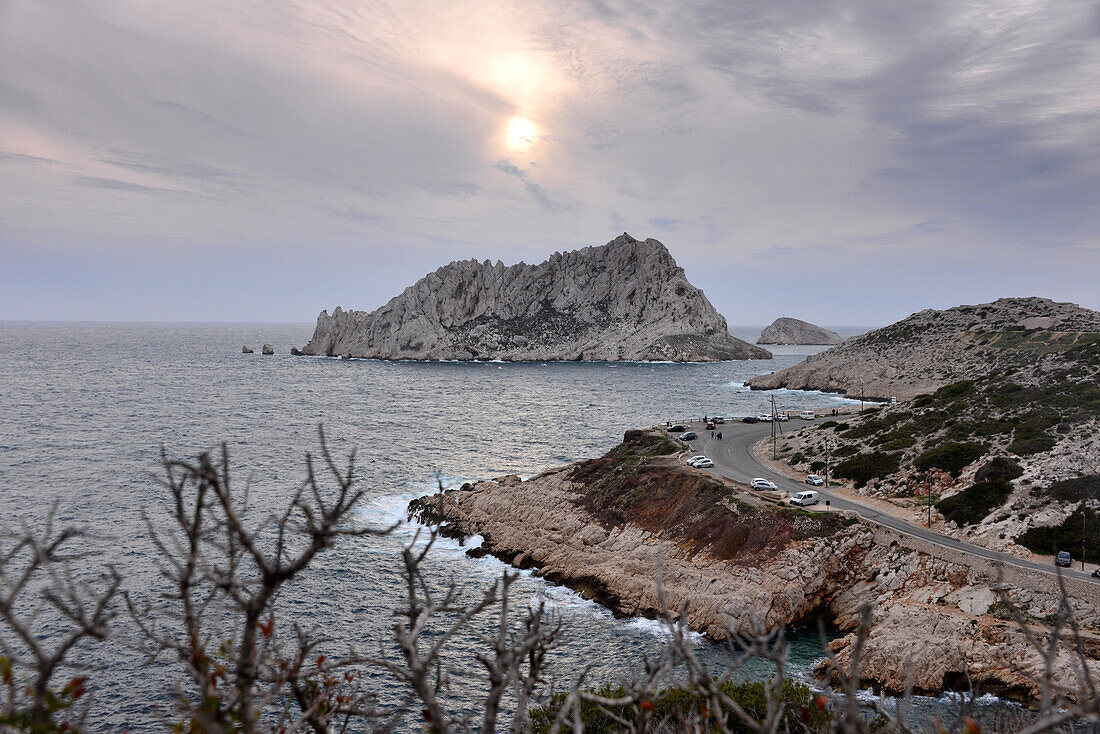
(809, 497)
(807, 415)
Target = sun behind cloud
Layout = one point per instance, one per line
(521, 134)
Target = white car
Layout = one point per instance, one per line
(809, 497)
(705, 463)
(814, 480)
(762, 484)
(782, 417)
(692, 460)
(807, 415)
(764, 418)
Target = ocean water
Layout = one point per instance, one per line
(86, 408)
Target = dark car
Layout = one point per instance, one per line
(750, 419)
(1096, 574)
(676, 429)
(1063, 559)
(689, 436)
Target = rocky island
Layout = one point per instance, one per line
(786, 330)
(626, 300)
(733, 558)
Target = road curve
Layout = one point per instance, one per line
(734, 457)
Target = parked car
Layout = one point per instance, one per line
(1096, 574)
(692, 460)
(762, 484)
(704, 464)
(750, 419)
(689, 436)
(815, 480)
(1063, 559)
(764, 418)
(807, 415)
(676, 429)
(809, 497)
(782, 417)
(719, 420)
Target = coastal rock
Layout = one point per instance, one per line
(572, 525)
(932, 348)
(246, 350)
(626, 300)
(267, 349)
(794, 331)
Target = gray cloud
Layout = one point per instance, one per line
(925, 141)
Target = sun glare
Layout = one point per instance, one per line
(522, 133)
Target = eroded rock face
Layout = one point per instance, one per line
(930, 349)
(928, 626)
(794, 331)
(626, 300)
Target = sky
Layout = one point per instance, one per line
(845, 162)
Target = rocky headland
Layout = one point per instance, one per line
(626, 300)
(999, 419)
(734, 559)
(786, 330)
(932, 348)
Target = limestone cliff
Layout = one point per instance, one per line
(626, 300)
(732, 559)
(932, 348)
(795, 331)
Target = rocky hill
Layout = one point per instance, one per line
(626, 300)
(932, 348)
(1006, 433)
(786, 330)
(730, 559)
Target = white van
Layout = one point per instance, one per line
(807, 415)
(809, 497)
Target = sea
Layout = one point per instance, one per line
(86, 410)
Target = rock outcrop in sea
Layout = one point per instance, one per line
(246, 350)
(786, 330)
(932, 348)
(626, 300)
(267, 349)
(731, 560)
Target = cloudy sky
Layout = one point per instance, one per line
(847, 162)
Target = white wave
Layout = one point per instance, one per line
(657, 628)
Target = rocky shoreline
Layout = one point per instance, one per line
(732, 559)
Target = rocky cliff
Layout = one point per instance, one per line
(732, 559)
(932, 348)
(795, 331)
(626, 300)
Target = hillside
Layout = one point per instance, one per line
(1010, 445)
(626, 300)
(932, 348)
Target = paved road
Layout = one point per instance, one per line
(734, 458)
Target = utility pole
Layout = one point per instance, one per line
(929, 499)
(826, 463)
(774, 421)
(1082, 536)
(861, 396)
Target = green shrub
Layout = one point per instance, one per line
(800, 711)
(1029, 446)
(974, 504)
(951, 457)
(1067, 536)
(828, 424)
(1075, 490)
(817, 466)
(843, 451)
(949, 393)
(862, 468)
(1000, 467)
